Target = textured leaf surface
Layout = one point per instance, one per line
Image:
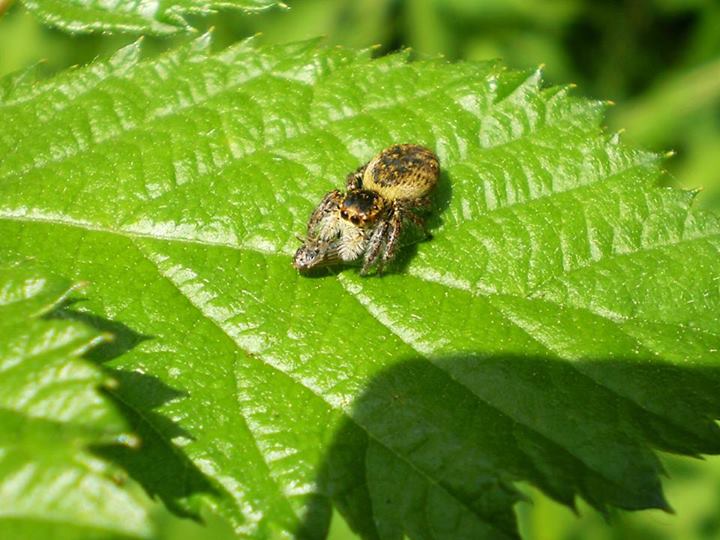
(561, 324)
(135, 16)
(50, 411)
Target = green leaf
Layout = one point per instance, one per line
(50, 411)
(559, 327)
(154, 17)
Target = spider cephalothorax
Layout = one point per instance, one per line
(368, 219)
(361, 207)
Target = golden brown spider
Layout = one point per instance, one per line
(367, 220)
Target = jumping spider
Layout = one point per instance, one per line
(367, 220)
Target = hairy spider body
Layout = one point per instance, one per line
(402, 172)
(367, 221)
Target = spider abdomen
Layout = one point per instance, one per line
(402, 171)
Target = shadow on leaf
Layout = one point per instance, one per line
(161, 468)
(123, 338)
(432, 449)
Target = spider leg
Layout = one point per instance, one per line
(416, 220)
(409, 215)
(330, 202)
(393, 237)
(354, 179)
(423, 203)
(375, 244)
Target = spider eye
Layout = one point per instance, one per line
(344, 214)
(355, 220)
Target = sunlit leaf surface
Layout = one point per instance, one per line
(560, 326)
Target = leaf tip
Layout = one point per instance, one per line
(537, 74)
(204, 40)
(616, 136)
(665, 507)
(111, 383)
(99, 339)
(129, 439)
(127, 56)
(368, 52)
(80, 285)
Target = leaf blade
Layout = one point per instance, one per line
(549, 240)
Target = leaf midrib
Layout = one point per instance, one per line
(21, 217)
(415, 272)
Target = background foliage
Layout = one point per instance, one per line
(667, 90)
